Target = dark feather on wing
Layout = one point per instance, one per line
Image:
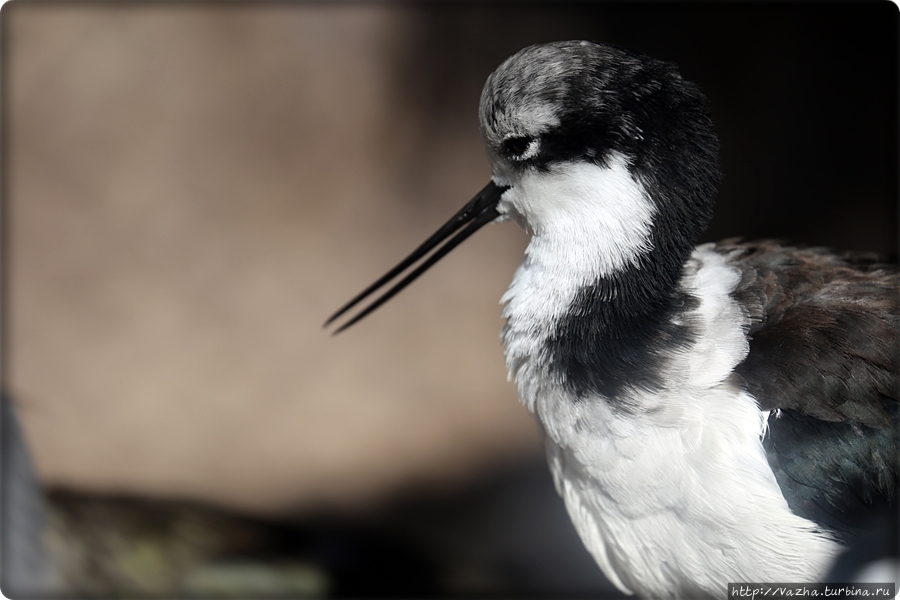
(824, 331)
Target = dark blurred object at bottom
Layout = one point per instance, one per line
(509, 536)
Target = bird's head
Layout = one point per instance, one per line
(567, 113)
(588, 142)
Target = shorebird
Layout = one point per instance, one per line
(711, 414)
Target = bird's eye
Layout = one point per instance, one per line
(522, 147)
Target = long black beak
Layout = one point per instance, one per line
(480, 210)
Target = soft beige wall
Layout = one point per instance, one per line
(191, 191)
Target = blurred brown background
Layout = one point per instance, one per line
(191, 189)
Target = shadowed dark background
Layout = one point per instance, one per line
(803, 97)
(191, 189)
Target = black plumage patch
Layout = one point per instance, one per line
(839, 475)
(619, 333)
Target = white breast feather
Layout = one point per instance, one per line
(588, 221)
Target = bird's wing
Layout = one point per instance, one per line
(824, 336)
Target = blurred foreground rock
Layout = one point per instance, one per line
(134, 547)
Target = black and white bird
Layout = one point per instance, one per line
(716, 413)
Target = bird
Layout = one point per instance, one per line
(712, 413)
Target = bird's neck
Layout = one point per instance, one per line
(599, 332)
